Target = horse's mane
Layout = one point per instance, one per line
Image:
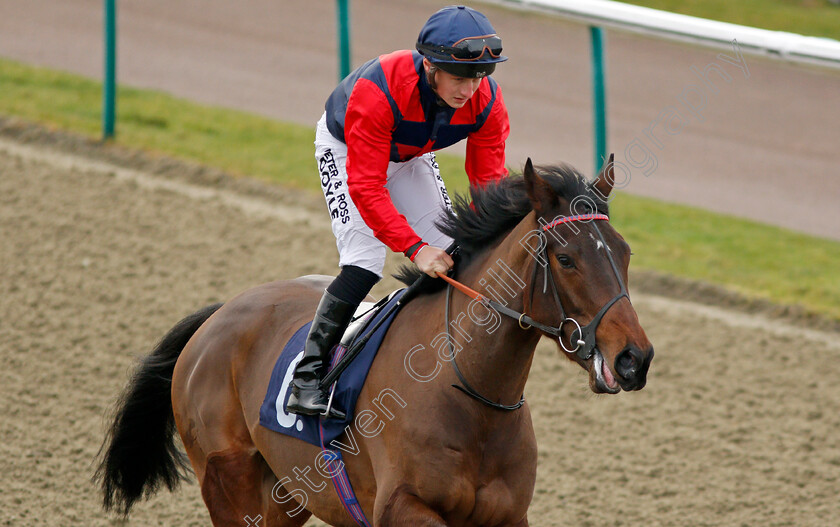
(495, 210)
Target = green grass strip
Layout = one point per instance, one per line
(754, 259)
(807, 17)
(745, 256)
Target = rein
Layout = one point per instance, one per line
(465, 386)
(582, 337)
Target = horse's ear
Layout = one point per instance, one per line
(606, 178)
(541, 194)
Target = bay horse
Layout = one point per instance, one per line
(546, 261)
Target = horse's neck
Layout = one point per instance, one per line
(497, 353)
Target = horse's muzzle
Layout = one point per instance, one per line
(632, 366)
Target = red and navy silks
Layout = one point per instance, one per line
(386, 111)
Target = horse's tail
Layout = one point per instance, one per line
(139, 450)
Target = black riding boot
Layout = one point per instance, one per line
(331, 319)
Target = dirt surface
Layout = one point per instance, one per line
(760, 143)
(738, 424)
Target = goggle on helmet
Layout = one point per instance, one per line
(461, 41)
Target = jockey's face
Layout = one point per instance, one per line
(454, 91)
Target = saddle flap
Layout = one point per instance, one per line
(361, 318)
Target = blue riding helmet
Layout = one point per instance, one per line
(461, 41)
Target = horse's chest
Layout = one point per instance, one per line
(491, 504)
(486, 488)
(472, 474)
(499, 504)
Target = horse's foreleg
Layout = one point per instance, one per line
(404, 509)
(237, 489)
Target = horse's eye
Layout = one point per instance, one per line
(565, 261)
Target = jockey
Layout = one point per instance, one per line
(375, 148)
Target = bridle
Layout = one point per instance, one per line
(583, 337)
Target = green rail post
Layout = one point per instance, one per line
(343, 38)
(109, 84)
(599, 97)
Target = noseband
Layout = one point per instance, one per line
(583, 337)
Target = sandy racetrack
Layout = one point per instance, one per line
(738, 425)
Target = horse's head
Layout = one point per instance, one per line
(585, 262)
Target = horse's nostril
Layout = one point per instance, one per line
(625, 364)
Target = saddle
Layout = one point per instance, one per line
(364, 336)
(362, 317)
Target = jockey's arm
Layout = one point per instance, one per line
(368, 125)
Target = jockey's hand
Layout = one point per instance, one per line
(432, 260)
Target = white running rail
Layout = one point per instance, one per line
(616, 15)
